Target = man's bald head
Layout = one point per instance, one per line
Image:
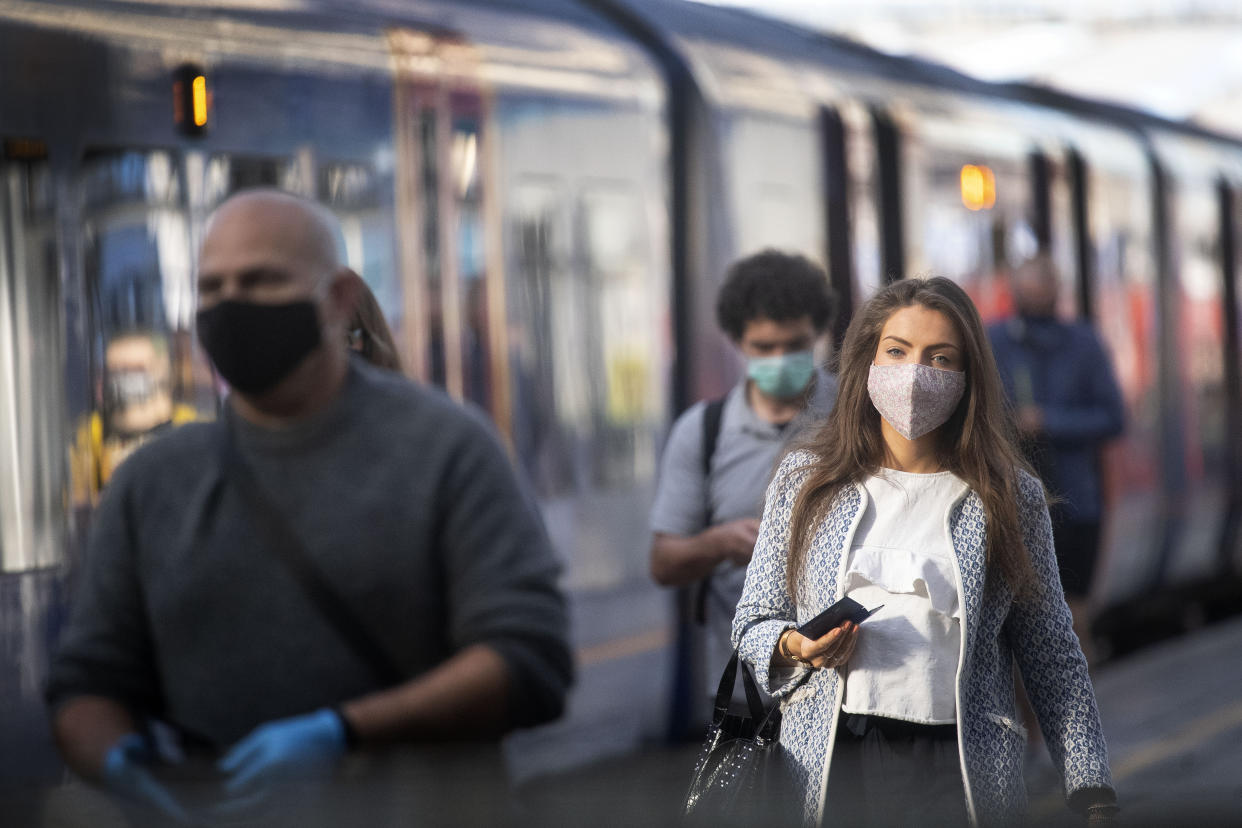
(316, 229)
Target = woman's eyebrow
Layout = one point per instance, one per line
(927, 347)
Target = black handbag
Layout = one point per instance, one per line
(740, 777)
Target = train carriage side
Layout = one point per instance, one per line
(1198, 268)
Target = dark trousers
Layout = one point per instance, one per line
(887, 773)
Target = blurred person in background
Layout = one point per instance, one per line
(344, 564)
(369, 334)
(137, 405)
(913, 501)
(720, 454)
(1067, 405)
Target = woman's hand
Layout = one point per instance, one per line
(833, 649)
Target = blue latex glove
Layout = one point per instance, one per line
(124, 773)
(300, 746)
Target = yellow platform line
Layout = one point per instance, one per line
(624, 647)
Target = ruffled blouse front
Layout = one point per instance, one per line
(905, 663)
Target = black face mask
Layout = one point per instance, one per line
(254, 346)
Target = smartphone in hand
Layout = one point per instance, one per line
(847, 609)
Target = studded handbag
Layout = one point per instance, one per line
(740, 777)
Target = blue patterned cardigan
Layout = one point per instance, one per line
(1035, 629)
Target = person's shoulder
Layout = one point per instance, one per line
(1031, 492)
(797, 461)
(178, 453)
(1082, 333)
(399, 400)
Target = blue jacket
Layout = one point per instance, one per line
(999, 627)
(1064, 370)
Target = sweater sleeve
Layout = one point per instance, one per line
(501, 577)
(1054, 671)
(767, 608)
(106, 649)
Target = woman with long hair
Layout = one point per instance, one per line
(913, 500)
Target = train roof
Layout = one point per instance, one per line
(684, 23)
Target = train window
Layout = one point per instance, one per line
(775, 193)
(975, 244)
(472, 277)
(226, 174)
(861, 164)
(619, 336)
(145, 365)
(1200, 346)
(1119, 222)
(359, 197)
(547, 373)
(33, 472)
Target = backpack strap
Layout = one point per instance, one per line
(712, 416)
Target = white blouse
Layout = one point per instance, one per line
(905, 664)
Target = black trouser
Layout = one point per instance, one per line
(886, 772)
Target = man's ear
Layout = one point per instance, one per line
(343, 293)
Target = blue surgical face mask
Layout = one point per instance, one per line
(783, 376)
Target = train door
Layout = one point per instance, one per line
(1116, 185)
(1197, 450)
(447, 225)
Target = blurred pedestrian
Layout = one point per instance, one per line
(369, 334)
(912, 500)
(1067, 406)
(720, 454)
(343, 563)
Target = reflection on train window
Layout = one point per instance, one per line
(432, 264)
(621, 331)
(543, 368)
(33, 427)
(975, 244)
(472, 274)
(146, 369)
(360, 199)
(226, 174)
(589, 392)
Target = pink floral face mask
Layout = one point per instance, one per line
(913, 398)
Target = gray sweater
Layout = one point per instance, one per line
(406, 503)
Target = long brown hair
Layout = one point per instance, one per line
(976, 443)
(369, 333)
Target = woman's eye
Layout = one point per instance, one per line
(894, 352)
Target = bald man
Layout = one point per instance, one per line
(402, 503)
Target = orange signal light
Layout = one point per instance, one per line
(191, 100)
(199, 96)
(978, 184)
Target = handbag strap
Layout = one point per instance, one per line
(283, 540)
(754, 701)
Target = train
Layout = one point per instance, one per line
(544, 196)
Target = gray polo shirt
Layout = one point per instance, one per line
(747, 451)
